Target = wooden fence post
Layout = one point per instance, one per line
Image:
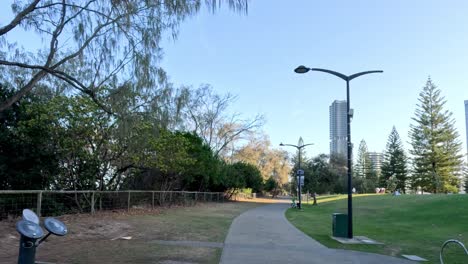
(152, 201)
(128, 201)
(92, 202)
(39, 203)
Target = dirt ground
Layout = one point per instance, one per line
(84, 229)
(98, 238)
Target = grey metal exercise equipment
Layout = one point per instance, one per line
(31, 232)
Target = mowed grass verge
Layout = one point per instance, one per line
(407, 224)
(92, 239)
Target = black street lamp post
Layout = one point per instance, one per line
(299, 147)
(303, 69)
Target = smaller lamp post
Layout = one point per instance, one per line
(299, 147)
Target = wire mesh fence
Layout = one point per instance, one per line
(55, 203)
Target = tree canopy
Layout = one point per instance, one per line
(435, 143)
(67, 142)
(89, 44)
(394, 163)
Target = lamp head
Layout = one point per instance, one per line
(301, 69)
(300, 143)
(55, 226)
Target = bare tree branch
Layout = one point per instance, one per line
(19, 17)
(207, 111)
(94, 36)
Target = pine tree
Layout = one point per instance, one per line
(395, 162)
(363, 164)
(435, 144)
(364, 176)
(465, 177)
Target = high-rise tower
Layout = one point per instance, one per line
(338, 143)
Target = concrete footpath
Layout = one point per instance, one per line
(263, 235)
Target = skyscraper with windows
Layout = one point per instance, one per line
(376, 159)
(338, 143)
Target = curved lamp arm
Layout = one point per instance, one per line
(303, 69)
(362, 73)
(337, 74)
(298, 147)
(290, 145)
(307, 145)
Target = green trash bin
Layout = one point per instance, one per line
(340, 225)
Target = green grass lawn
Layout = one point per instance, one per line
(407, 224)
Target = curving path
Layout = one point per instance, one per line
(264, 235)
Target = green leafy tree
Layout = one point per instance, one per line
(395, 162)
(254, 179)
(70, 143)
(391, 184)
(163, 161)
(204, 170)
(321, 179)
(28, 152)
(205, 174)
(339, 168)
(94, 153)
(234, 178)
(79, 129)
(371, 180)
(311, 169)
(435, 143)
(272, 186)
(325, 174)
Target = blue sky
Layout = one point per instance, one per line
(254, 56)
